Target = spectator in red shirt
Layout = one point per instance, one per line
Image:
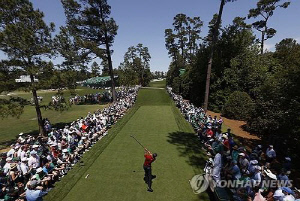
(149, 158)
(209, 133)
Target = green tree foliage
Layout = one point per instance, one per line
(265, 9)
(183, 39)
(25, 38)
(176, 85)
(92, 29)
(234, 40)
(158, 74)
(238, 106)
(276, 116)
(246, 83)
(136, 66)
(215, 33)
(182, 43)
(95, 68)
(105, 68)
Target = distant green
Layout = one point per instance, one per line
(158, 84)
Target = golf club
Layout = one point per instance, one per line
(137, 141)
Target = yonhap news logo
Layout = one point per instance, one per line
(200, 183)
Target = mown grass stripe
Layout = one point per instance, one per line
(63, 187)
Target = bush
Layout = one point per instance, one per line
(238, 106)
(176, 85)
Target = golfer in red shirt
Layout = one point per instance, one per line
(149, 158)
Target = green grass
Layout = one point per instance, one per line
(27, 123)
(153, 97)
(114, 164)
(158, 84)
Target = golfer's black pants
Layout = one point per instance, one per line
(148, 176)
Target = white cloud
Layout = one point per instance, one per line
(269, 47)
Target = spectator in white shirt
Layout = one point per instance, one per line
(24, 167)
(34, 160)
(11, 152)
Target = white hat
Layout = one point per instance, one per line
(241, 154)
(53, 144)
(33, 152)
(278, 193)
(83, 138)
(39, 170)
(257, 167)
(288, 158)
(65, 150)
(49, 158)
(35, 146)
(271, 146)
(24, 159)
(289, 198)
(254, 162)
(270, 174)
(9, 159)
(225, 136)
(21, 134)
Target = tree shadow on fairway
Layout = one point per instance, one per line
(189, 146)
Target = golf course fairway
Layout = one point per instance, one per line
(115, 164)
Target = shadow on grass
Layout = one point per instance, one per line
(190, 147)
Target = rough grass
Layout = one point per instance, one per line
(27, 123)
(114, 164)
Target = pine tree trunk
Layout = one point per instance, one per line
(37, 109)
(111, 73)
(214, 39)
(110, 67)
(262, 42)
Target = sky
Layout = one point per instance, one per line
(144, 21)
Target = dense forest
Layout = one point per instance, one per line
(247, 82)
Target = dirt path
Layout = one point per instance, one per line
(236, 127)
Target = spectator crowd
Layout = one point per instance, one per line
(259, 167)
(33, 164)
(96, 98)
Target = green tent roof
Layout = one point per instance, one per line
(97, 80)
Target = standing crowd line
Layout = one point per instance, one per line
(232, 162)
(33, 164)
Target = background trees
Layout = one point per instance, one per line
(93, 30)
(25, 38)
(182, 43)
(95, 69)
(246, 83)
(265, 9)
(135, 69)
